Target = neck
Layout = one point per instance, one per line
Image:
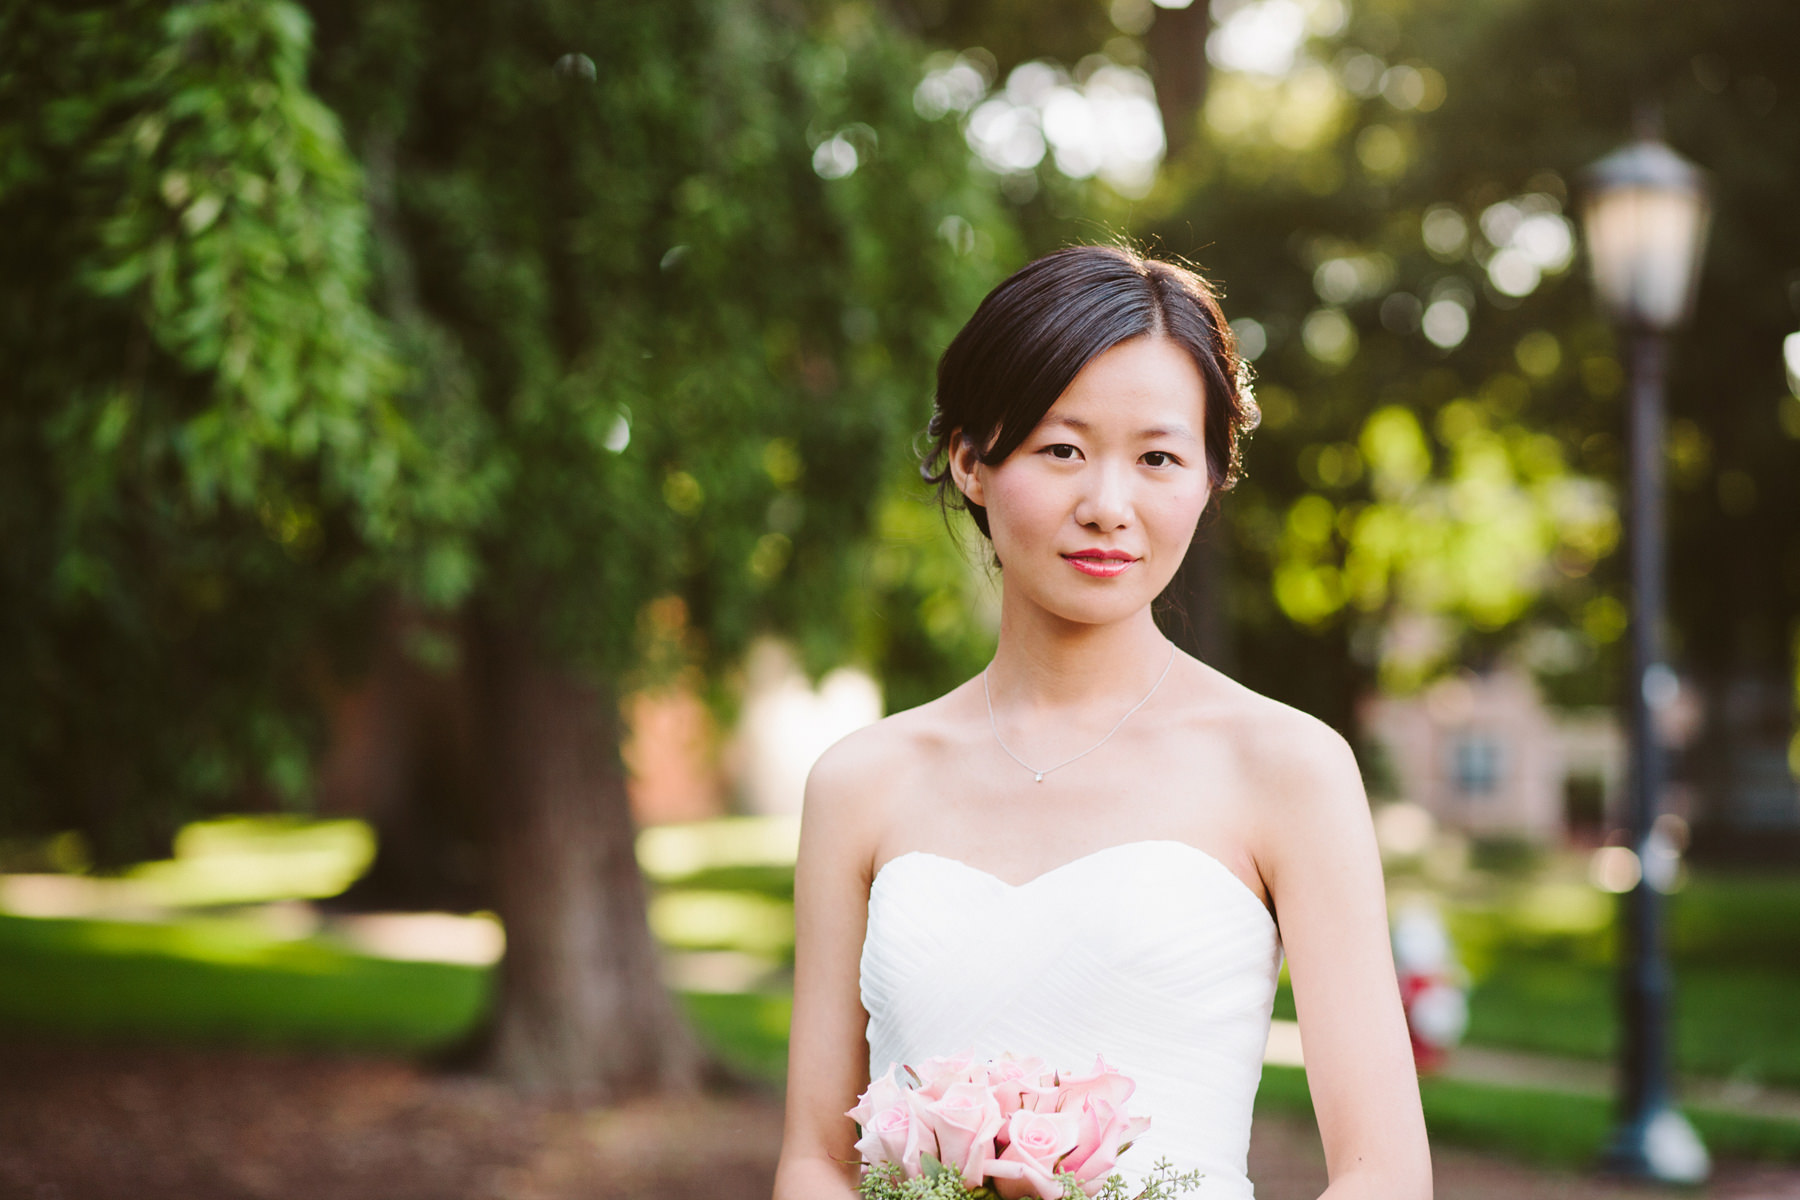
(1043, 661)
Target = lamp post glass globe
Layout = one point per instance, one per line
(1646, 215)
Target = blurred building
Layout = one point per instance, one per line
(788, 722)
(671, 757)
(682, 769)
(1485, 755)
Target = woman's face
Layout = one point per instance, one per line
(1094, 511)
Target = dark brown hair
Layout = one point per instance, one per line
(1035, 332)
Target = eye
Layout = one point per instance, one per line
(1160, 458)
(1063, 451)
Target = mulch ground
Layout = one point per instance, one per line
(99, 1123)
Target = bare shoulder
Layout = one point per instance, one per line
(881, 756)
(856, 785)
(1292, 769)
(1275, 743)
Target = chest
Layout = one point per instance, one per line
(1153, 935)
(1135, 904)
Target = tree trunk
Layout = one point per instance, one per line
(1177, 49)
(582, 1013)
(401, 756)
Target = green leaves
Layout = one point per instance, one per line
(698, 358)
(202, 465)
(217, 210)
(1475, 540)
(1415, 252)
(632, 349)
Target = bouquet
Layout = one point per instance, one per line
(954, 1128)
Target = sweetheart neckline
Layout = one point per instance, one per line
(1103, 851)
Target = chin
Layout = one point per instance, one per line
(1059, 591)
(1097, 610)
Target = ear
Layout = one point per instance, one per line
(964, 459)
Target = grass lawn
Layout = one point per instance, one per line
(216, 979)
(1734, 948)
(225, 980)
(1539, 954)
(1549, 1128)
(1726, 1021)
(222, 979)
(1545, 981)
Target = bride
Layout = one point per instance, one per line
(1099, 845)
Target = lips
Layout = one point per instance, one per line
(1103, 564)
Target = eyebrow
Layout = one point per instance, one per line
(1177, 430)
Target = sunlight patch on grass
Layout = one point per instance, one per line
(476, 940)
(708, 920)
(241, 860)
(234, 860)
(224, 981)
(1563, 908)
(672, 852)
(236, 940)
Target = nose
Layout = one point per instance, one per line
(1105, 503)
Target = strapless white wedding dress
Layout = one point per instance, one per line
(1151, 954)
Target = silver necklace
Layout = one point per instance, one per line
(1037, 775)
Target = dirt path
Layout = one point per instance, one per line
(88, 1123)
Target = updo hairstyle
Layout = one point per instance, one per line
(1035, 332)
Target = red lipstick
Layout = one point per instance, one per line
(1103, 564)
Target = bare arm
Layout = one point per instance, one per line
(1324, 872)
(827, 1054)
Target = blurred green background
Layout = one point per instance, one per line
(455, 469)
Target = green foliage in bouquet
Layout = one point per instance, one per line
(1164, 1183)
(888, 1181)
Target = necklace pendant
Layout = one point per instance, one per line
(1037, 776)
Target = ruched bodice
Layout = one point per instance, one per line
(1151, 953)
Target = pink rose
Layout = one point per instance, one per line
(937, 1073)
(894, 1135)
(1036, 1143)
(1105, 1082)
(882, 1095)
(1105, 1130)
(963, 1121)
(1015, 1082)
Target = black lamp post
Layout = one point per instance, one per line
(1646, 213)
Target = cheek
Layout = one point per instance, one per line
(1181, 507)
(1026, 506)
